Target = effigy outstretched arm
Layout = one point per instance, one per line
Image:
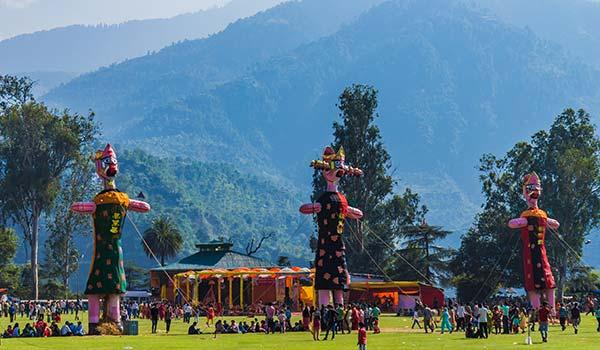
(553, 223)
(83, 207)
(310, 208)
(138, 206)
(517, 223)
(354, 213)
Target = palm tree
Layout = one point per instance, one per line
(163, 239)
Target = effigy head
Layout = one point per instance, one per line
(106, 163)
(532, 188)
(333, 165)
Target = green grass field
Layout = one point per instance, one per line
(396, 335)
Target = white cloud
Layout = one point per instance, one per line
(16, 4)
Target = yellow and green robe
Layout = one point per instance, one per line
(107, 273)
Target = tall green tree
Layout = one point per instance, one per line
(8, 246)
(15, 91)
(384, 212)
(63, 225)
(420, 241)
(36, 147)
(10, 274)
(163, 238)
(567, 158)
(138, 278)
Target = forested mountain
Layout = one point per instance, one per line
(129, 90)
(213, 200)
(80, 48)
(53, 57)
(454, 83)
(574, 24)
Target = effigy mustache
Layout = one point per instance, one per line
(348, 170)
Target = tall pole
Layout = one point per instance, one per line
(230, 292)
(219, 291)
(242, 292)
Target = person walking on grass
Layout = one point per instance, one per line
(415, 320)
(168, 317)
(331, 321)
(575, 317)
(543, 316)
(446, 321)
(340, 318)
(562, 316)
(362, 337)
(375, 313)
(427, 319)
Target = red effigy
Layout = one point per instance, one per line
(536, 268)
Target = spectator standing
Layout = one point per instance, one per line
(168, 317)
(316, 316)
(505, 311)
(11, 312)
(362, 337)
(483, 320)
(544, 314)
(154, 317)
(306, 317)
(270, 316)
(460, 317)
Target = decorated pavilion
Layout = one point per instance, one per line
(217, 274)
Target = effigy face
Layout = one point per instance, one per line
(107, 166)
(333, 165)
(532, 188)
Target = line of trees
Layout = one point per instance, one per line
(394, 239)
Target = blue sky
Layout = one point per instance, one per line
(26, 16)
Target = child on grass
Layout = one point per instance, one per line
(362, 337)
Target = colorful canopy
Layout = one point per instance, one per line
(250, 272)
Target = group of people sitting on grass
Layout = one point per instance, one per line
(278, 319)
(43, 329)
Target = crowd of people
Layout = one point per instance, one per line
(45, 317)
(503, 316)
(478, 320)
(267, 318)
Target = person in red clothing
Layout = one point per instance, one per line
(544, 314)
(362, 337)
(210, 315)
